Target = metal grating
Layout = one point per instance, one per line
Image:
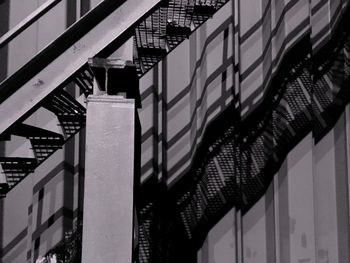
(167, 27)
(15, 168)
(239, 165)
(44, 142)
(84, 80)
(70, 113)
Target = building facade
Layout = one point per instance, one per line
(245, 137)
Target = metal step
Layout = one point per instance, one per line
(71, 117)
(84, 80)
(70, 113)
(166, 28)
(44, 142)
(15, 169)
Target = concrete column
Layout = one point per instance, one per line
(109, 180)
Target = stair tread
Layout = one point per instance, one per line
(30, 131)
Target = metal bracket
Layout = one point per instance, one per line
(114, 76)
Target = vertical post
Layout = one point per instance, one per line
(111, 153)
(109, 180)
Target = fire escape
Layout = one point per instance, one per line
(156, 33)
(293, 108)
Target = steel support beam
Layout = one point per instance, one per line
(66, 55)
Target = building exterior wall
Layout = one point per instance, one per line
(304, 215)
(197, 73)
(182, 94)
(45, 205)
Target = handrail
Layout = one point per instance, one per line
(28, 21)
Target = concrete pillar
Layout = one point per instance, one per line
(109, 180)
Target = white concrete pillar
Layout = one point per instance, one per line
(109, 180)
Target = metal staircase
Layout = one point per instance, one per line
(71, 118)
(157, 27)
(237, 167)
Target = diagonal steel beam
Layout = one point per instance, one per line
(66, 55)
